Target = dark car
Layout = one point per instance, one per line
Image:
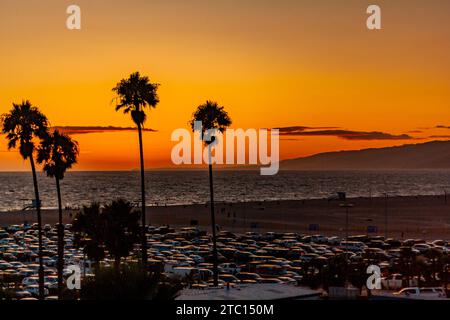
(243, 276)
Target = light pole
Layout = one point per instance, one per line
(347, 206)
(386, 196)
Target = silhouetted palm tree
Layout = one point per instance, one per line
(434, 255)
(88, 232)
(408, 263)
(213, 117)
(121, 229)
(22, 125)
(58, 153)
(132, 284)
(134, 95)
(114, 228)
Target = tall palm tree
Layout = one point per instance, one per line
(213, 117)
(133, 96)
(58, 153)
(22, 125)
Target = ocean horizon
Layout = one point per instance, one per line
(184, 187)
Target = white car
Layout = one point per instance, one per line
(183, 272)
(197, 259)
(5, 266)
(231, 268)
(395, 282)
(422, 293)
(334, 241)
(34, 281)
(34, 290)
(319, 239)
(29, 281)
(353, 246)
(422, 247)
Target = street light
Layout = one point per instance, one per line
(347, 206)
(386, 196)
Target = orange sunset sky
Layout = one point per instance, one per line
(272, 64)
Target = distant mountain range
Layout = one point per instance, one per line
(430, 155)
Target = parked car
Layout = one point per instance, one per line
(245, 276)
(422, 293)
(228, 278)
(232, 268)
(34, 290)
(395, 282)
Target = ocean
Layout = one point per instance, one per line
(188, 187)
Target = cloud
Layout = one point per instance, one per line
(291, 139)
(302, 128)
(340, 133)
(442, 127)
(95, 129)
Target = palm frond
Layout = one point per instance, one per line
(135, 94)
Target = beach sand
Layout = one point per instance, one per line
(425, 217)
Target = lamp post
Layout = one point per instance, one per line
(347, 206)
(386, 196)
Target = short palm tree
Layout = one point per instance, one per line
(213, 117)
(58, 153)
(122, 230)
(407, 263)
(88, 233)
(113, 228)
(23, 124)
(133, 96)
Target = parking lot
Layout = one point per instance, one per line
(250, 258)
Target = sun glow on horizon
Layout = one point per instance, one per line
(271, 64)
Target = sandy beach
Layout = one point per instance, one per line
(426, 217)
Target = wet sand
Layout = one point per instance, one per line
(426, 217)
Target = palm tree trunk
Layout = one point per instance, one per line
(143, 223)
(117, 266)
(39, 222)
(60, 241)
(213, 221)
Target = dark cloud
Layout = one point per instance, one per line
(343, 134)
(301, 129)
(442, 127)
(290, 139)
(440, 137)
(95, 129)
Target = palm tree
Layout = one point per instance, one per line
(408, 263)
(88, 232)
(114, 228)
(212, 117)
(133, 284)
(434, 255)
(22, 125)
(121, 222)
(133, 96)
(58, 153)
